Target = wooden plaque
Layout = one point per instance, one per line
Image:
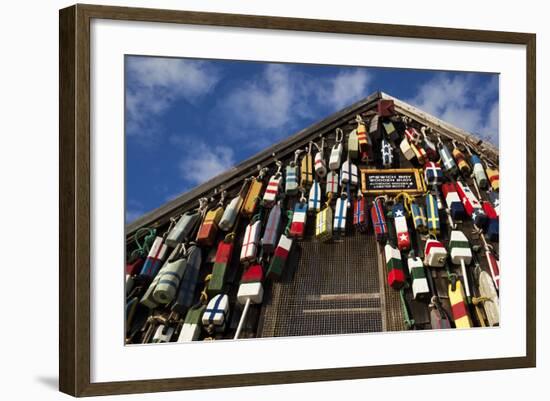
(392, 181)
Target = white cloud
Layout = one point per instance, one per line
(154, 83)
(461, 101)
(201, 161)
(346, 88)
(281, 96)
(268, 101)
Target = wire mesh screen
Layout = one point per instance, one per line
(332, 288)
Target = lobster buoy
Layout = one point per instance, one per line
(379, 221)
(155, 259)
(191, 329)
(186, 291)
(493, 175)
(291, 179)
(492, 231)
(394, 266)
(387, 153)
(479, 172)
(349, 173)
(461, 254)
(360, 216)
(433, 175)
(420, 286)
(461, 161)
(298, 225)
(250, 242)
(455, 206)
(250, 291)
(458, 306)
(163, 334)
(419, 217)
(251, 199)
(170, 277)
(435, 254)
(183, 229)
(448, 162)
(340, 214)
(401, 228)
(306, 171)
(222, 260)
(272, 229)
(323, 223)
(434, 224)
(280, 256)
(471, 204)
(314, 201)
(209, 227)
(332, 182)
(406, 149)
(233, 208)
(215, 314)
(353, 145)
(273, 188)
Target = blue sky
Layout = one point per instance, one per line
(188, 120)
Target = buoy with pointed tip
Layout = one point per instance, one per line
(272, 230)
(340, 214)
(379, 220)
(419, 281)
(461, 254)
(314, 200)
(490, 299)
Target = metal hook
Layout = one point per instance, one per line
(339, 134)
(279, 166)
(303, 198)
(297, 153)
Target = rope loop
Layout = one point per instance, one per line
(303, 198)
(329, 199)
(230, 237)
(310, 145)
(407, 201)
(144, 248)
(259, 215)
(279, 165)
(204, 296)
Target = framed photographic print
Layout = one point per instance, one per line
(278, 200)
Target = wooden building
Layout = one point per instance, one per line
(347, 284)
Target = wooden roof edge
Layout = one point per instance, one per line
(445, 128)
(247, 167)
